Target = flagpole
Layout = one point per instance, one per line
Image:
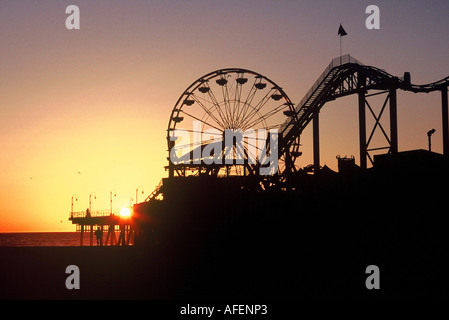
(341, 33)
(340, 49)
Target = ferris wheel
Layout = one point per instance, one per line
(227, 123)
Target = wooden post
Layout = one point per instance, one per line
(107, 237)
(81, 235)
(121, 238)
(111, 235)
(130, 236)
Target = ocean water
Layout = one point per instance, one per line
(33, 239)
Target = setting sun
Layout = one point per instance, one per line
(125, 212)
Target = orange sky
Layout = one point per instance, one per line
(98, 100)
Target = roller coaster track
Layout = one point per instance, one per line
(344, 76)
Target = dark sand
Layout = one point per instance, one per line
(105, 273)
(132, 273)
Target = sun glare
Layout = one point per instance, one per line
(125, 212)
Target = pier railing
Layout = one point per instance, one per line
(95, 213)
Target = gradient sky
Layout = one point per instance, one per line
(98, 100)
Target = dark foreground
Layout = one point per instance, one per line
(128, 273)
(206, 240)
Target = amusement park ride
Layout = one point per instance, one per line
(263, 122)
(243, 99)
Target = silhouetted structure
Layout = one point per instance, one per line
(297, 234)
(347, 165)
(307, 240)
(112, 222)
(342, 77)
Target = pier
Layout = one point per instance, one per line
(109, 222)
(216, 216)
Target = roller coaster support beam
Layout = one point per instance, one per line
(362, 130)
(362, 123)
(316, 142)
(393, 122)
(444, 109)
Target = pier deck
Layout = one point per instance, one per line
(106, 221)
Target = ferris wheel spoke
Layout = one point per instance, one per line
(201, 132)
(230, 102)
(214, 108)
(210, 113)
(202, 121)
(248, 101)
(192, 144)
(217, 106)
(258, 151)
(256, 109)
(267, 115)
(237, 95)
(224, 91)
(248, 115)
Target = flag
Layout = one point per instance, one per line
(341, 31)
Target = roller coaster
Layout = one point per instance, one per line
(239, 99)
(293, 231)
(254, 109)
(217, 227)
